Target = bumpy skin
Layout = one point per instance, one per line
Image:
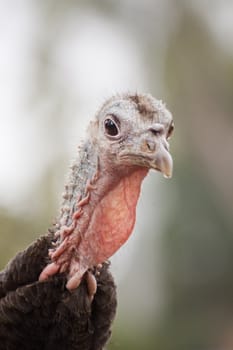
(45, 315)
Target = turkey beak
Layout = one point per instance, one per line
(159, 158)
(163, 162)
(150, 152)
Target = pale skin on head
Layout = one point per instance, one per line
(128, 136)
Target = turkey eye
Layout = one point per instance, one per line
(110, 127)
(170, 130)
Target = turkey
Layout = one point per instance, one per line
(59, 293)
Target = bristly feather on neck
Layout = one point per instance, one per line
(83, 168)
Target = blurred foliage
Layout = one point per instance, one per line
(197, 240)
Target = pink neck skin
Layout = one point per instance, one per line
(113, 220)
(106, 222)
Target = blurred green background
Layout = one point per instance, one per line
(59, 60)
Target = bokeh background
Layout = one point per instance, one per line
(59, 60)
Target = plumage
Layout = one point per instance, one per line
(45, 315)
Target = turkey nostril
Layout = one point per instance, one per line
(150, 145)
(147, 146)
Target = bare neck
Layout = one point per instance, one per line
(97, 214)
(88, 183)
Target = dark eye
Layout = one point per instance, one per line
(111, 127)
(170, 130)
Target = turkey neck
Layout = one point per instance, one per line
(91, 179)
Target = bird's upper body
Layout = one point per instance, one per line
(128, 136)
